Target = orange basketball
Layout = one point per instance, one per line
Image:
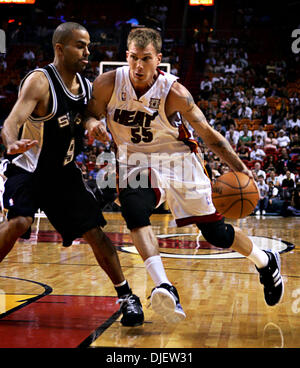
(235, 195)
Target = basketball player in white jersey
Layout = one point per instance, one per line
(147, 113)
(43, 135)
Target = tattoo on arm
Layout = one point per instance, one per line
(225, 151)
(223, 145)
(190, 102)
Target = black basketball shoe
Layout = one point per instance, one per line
(165, 301)
(271, 278)
(132, 310)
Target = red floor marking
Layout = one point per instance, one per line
(120, 239)
(56, 321)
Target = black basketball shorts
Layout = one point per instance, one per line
(69, 204)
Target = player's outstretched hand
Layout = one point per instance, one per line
(20, 146)
(248, 173)
(99, 132)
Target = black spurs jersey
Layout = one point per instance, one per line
(60, 133)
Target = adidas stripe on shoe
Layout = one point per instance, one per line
(271, 278)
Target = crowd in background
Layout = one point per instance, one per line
(255, 107)
(257, 110)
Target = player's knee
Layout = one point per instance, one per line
(218, 233)
(135, 216)
(100, 243)
(136, 208)
(19, 225)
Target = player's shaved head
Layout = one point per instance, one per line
(63, 32)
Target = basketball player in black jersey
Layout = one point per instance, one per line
(43, 135)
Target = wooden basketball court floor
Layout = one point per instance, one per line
(51, 296)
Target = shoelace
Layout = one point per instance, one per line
(129, 300)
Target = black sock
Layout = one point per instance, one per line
(123, 290)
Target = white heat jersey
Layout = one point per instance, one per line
(141, 125)
(150, 143)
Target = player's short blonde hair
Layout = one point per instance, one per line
(142, 37)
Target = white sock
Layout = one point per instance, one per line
(155, 268)
(258, 257)
(122, 283)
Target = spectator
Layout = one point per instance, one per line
(260, 132)
(220, 128)
(294, 207)
(230, 68)
(205, 93)
(91, 182)
(81, 158)
(259, 142)
(243, 152)
(280, 120)
(275, 202)
(245, 135)
(206, 83)
(257, 153)
(244, 112)
(271, 67)
(294, 100)
(268, 118)
(284, 162)
(293, 121)
(274, 91)
(273, 191)
(227, 121)
(258, 171)
(269, 163)
(271, 141)
(272, 176)
(174, 69)
(295, 143)
(282, 174)
(286, 190)
(260, 100)
(211, 120)
(28, 55)
(249, 97)
(93, 173)
(232, 135)
(214, 169)
(219, 67)
(109, 53)
(288, 180)
(223, 169)
(263, 195)
(259, 88)
(282, 139)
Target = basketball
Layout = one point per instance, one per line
(235, 195)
